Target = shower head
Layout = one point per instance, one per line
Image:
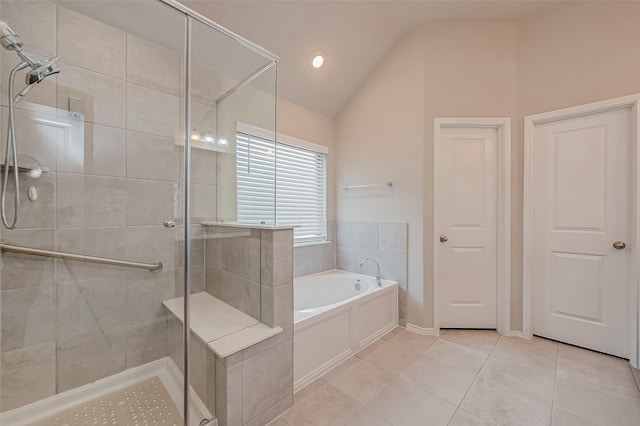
(40, 69)
(8, 38)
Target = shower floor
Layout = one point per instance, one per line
(145, 396)
(144, 403)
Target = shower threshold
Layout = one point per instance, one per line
(150, 394)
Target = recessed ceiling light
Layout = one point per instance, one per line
(317, 60)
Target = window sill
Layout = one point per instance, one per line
(314, 243)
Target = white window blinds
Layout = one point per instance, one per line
(295, 175)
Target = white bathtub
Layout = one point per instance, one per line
(336, 314)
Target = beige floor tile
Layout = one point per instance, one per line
(308, 390)
(326, 405)
(403, 404)
(522, 376)
(388, 357)
(400, 337)
(359, 380)
(598, 371)
(595, 406)
(278, 422)
(441, 380)
(457, 356)
(480, 340)
(363, 419)
(537, 352)
(502, 406)
(562, 418)
(464, 418)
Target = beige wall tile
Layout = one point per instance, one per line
(28, 375)
(152, 65)
(84, 200)
(102, 242)
(241, 255)
(229, 390)
(240, 293)
(25, 271)
(103, 97)
(104, 151)
(149, 202)
(393, 237)
(152, 111)
(267, 379)
(89, 43)
(34, 214)
(28, 316)
(90, 306)
(145, 291)
(152, 157)
(151, 244)
(145, 342)
(89, 357)
(276, 257)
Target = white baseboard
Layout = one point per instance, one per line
(421, 330)
(514, 333)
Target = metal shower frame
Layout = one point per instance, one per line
(191, 15)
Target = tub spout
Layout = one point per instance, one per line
(378, 280)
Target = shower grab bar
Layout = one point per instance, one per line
(12, 248)
(371, 185)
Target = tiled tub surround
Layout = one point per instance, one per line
(254, 385)
(317, 257)
(385, 242)
(65, 323)
(337, 314)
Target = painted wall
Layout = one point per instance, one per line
(571, 55)
(380, 138)
(386, 131)
(568, 55)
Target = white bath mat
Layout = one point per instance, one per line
(145, 403)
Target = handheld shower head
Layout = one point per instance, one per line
(42, 70)
(8, 38)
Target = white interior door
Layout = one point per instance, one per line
(467, 191)
(581, 208)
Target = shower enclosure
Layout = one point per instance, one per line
(126, 168)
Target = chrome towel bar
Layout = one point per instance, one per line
(371, 185)
(12, 248)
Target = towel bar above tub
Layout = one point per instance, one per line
(12, 248)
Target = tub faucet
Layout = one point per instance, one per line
(378, 281)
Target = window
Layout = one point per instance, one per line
(282, 183)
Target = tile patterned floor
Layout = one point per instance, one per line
(469, 377)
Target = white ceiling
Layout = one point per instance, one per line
(354, 35)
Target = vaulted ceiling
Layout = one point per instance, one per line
(353, 35)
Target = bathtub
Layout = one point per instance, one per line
(336, 314)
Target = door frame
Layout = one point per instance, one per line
(503, 216)
(631, 102)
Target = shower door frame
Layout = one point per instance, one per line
(190, 15)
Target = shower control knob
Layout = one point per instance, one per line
(169, 224)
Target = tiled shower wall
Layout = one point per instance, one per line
(386, 242)
(64, 323)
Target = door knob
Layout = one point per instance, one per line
(619, 245)
(169, 224)
(443, 238)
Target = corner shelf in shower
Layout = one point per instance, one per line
(223, 328)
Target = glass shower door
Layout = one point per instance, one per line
(99, 146)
